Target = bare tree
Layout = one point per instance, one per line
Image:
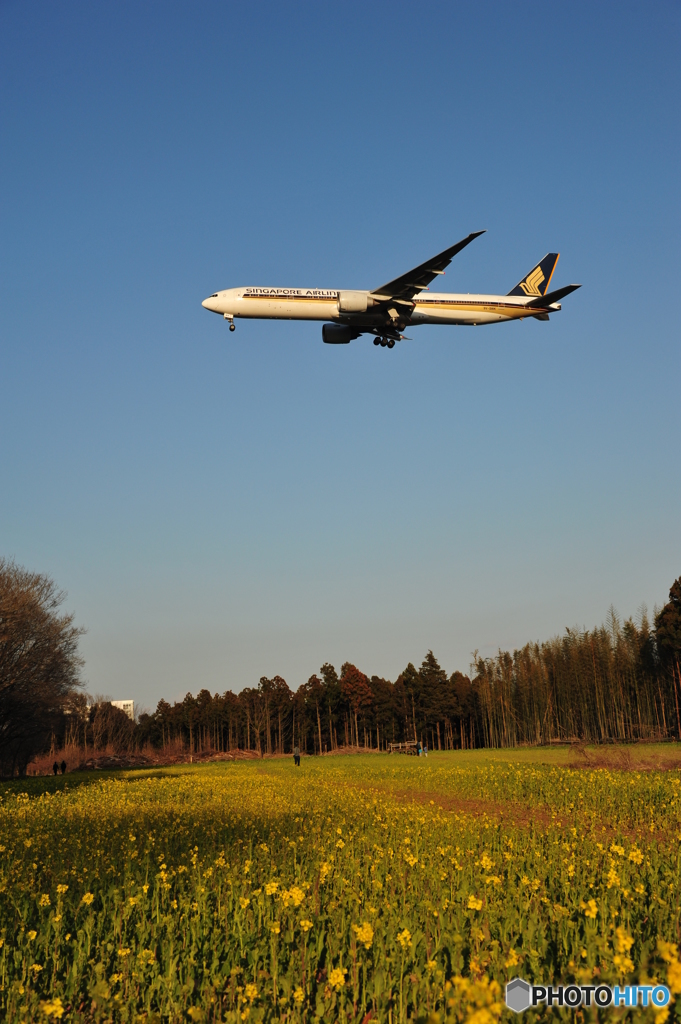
(39, 664)
(111, 727)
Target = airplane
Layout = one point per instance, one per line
(405, 302)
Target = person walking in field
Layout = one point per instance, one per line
(63, 767)
(296, 756)
(55, 768)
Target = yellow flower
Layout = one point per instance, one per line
(251, 992)
(271, 888)
(404, 938)
(123, 952)
(115, 978)
(295, 895)
(623, 963)
(636, 856)
(485, 862)
(298, 996)
(31, 935)
(52, 1007)
(88, 898)
(667, 950)
(474, 903)
(623, 942)
(306, 925)
(36, 968)
(512, 960)
(431, 965)
(275, 927)
(364, 933)
(337, 977)
(613, 878)
(674, 977)
(61, 889)
(244, 901)
(44, 900)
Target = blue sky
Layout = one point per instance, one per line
(224, 506)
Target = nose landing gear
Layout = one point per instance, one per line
(232, 326)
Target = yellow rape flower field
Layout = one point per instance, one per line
(352, 889)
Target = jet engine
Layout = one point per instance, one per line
(352, 302)
(338, 334)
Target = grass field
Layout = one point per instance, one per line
(369, 885)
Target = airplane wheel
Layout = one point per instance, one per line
(377, 341)
(391, 343)
(383, 342)
(232, 327)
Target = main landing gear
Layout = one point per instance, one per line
(385, 342)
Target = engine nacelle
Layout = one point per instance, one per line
(352, 302)
(338, 334)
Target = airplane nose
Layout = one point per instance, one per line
(208, 303)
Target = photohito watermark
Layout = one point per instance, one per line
(521, 996)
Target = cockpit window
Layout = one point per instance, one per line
(214, 296)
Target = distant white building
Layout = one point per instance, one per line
(127, 706)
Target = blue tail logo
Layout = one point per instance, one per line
(538, 280)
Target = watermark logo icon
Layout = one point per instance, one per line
(520, 995)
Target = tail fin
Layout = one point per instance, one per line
(539, 278)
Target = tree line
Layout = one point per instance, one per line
(332, 710)
(618, 682)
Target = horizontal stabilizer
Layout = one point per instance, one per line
(539, 278)
(546, 300)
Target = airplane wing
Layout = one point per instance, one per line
(409, 284)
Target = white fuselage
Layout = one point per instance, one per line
(327, 304)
